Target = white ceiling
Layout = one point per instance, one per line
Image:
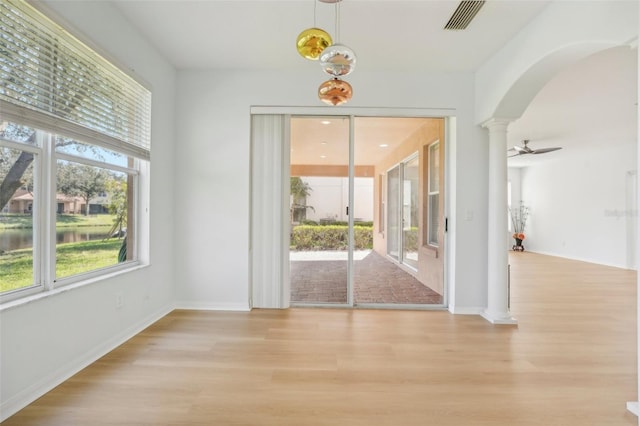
(590, 104)
(593, 102)
(385, 34)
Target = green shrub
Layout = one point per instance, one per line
(363, 237)
(364, 223)
(339, 223)
(330, 237)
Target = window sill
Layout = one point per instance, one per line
(11, 304)
(430, 251)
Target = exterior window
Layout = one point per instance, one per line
(433, 194)
(74, 139)
(94, 210)
(18, 191)
(101, 196)
(381, 194)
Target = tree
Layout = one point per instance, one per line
(14, 168)
(14, 165)
(300, 190)
(117, 189)
(18, 81)
(82, 181)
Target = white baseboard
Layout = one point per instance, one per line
(466, 310)
(206, 306)
(634, 407)
(27, 396)
(580, 259)
(499, 320)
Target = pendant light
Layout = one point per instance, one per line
(335, 92)
(338, 61)
(312, 41)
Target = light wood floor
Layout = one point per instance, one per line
(570, 361)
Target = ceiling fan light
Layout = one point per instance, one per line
(311, 42)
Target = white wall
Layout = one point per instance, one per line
(330, 196)
(45, 341)
(213, 170)
(578, 205)
(580, 197)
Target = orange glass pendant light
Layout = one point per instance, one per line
(312, 41)
(335, 92)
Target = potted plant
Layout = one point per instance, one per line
(519, 221)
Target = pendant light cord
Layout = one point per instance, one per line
(337, 22)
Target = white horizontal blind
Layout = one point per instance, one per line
(47, 75)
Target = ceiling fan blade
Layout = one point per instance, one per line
(515, 155)
(521, 150)
(544, 150)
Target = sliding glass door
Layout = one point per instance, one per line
(319, 200)
(403, 211)
(359, 212)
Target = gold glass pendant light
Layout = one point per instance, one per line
(312, 41)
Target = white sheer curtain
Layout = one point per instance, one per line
(269, 232)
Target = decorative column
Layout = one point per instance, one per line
(497, 311)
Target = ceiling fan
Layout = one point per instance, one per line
(524, 149)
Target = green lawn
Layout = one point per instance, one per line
(16, 269)
(14, 221)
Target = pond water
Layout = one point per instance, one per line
(14, 239)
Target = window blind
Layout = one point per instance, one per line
(48, 78)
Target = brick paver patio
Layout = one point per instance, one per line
(376, 280)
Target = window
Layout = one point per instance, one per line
(92, 226)
(433, 194)
(381, 203)
(74, 142)
(16, 239)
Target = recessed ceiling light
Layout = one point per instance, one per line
(383, 145)
(323, 143)
(325, 122)
(323, 156)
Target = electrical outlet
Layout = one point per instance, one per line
(119, 301)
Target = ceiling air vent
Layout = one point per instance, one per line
(463, 15)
